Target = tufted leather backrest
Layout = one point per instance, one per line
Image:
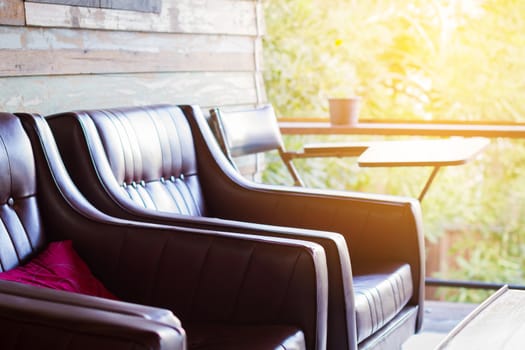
(20, 227)
(149, 151)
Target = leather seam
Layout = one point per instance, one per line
(154, 286)
(172, 195)
(155, 122)
(8, 158)
(243, 282)
(292, 274)
(112, 120)
(198, 286)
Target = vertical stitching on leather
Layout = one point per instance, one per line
(144, 195)
(4, 146)
(380, 309)
(154, 286)
(114, 121)
(1, 262)
(130, 131)
(393, 289)
(11, 240)
(181, 154)
(172, 195)
(181, 203)
(243, 282)
(292, 273)
(196, 208)
(134, 198)
(403, 286)
(189, 192)
(118, 257)
(10, 171)
(156, 120)
(198, 286)
(370, 311)
(398, 280)
(183, 197)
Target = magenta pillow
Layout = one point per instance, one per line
(59, 267)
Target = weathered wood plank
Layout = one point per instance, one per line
(89, 3)
(135, 5)
(52, 94)
(176, 16)
(12, 12)
(27, 63)
(40, 51)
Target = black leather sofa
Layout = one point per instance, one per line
(266, 292)
(162, 164)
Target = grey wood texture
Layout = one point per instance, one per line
(56, 57)
(135, 5)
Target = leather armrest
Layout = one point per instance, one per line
(375, 227)
(208, 276)
(30, 320)
(81, 300)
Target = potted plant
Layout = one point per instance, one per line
(344, 110)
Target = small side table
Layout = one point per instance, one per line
(435, 153)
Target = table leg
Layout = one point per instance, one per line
(428, 183)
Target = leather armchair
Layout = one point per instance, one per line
(162, 164)
(268, 292)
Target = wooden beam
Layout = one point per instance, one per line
(176, 16)
(52, 94)
(441, 129)
(12, 12)
(38, 51)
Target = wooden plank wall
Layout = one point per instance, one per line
(56, 58)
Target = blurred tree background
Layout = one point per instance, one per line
(414, 60)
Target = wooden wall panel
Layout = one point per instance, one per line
(135, 5)
(177, 16)
(57, 57)
(52, 94)
(12, 12)
(38, 51)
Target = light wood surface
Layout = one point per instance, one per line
(498, 323)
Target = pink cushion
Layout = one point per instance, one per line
(59, 267)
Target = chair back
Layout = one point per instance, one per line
(21, 234)
(147, 153)
(250, 131)
(247, 132)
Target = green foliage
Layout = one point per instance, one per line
(414, 60)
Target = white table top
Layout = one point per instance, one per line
(442, 152)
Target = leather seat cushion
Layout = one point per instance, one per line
(240, 337)
(380, 293)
